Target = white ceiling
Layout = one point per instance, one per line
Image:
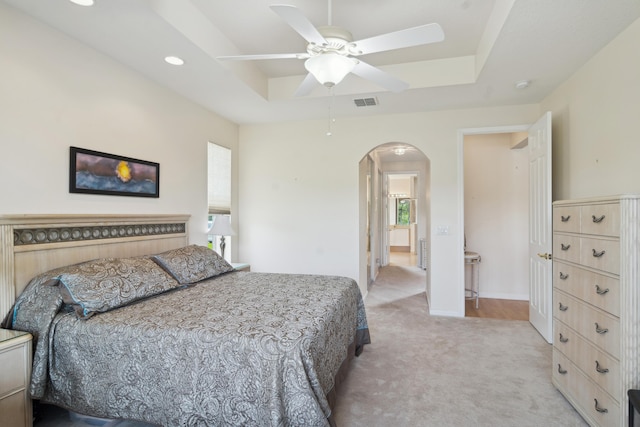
(488, 46)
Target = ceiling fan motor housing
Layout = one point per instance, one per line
(339, 41)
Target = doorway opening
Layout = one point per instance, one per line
(538, 142)
(496, 225)
(495, 220)
(395, 212)
(402, 216)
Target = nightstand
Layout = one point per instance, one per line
(241, 266)
(15, 374)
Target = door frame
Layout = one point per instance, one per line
(460, 225)
(386, 255)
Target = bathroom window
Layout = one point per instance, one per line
(403, 211)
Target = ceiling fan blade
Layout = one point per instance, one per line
(379, 77)
(424, 34)
(299, 22)
(306, 86)
(265, 56)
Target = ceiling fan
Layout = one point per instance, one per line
(332, 54)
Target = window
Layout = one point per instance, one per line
(403, 211)
(219, 171)
(219, 190)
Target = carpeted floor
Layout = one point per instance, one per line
(435, 371)
(438, 371)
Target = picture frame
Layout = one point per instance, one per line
(95, 172)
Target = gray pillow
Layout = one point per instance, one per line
(192, 264)
(103, 284)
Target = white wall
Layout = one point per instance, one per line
(496, 212)
(298, 194)
(56, 92)
(595, 123)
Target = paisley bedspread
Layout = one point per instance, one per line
(241, 349)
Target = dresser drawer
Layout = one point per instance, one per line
(600, 254)
(603, 369)
(566, 218)
(584, 393)
(600, 328)
(596, 289)
(602, 220)
(12, 362)
(566, 247)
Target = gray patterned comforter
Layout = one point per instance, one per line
(241, 349)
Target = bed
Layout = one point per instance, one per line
(131, 322)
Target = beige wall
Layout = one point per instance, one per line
(56, 93)
(595, 114)
(496, 212)
(299, 191)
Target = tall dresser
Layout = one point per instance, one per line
(596, 305)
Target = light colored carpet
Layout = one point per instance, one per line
(438, 371)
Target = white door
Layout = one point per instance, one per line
(540, 264)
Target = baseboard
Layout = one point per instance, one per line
(445, 313)
(499, 295)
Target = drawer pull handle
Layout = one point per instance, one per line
(565, 218)
(601, 370)
(601, 291)
(563, 339)
(597, 254)
(601, 330)
(599, 409)
(597, 220)
(564, 247)
(563, 307)
(564, 276)
(560, 370)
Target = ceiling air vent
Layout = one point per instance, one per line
(365, 102)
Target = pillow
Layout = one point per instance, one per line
(192, 264)
(103, 284)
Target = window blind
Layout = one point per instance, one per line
(219, 181)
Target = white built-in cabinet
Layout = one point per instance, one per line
(596, 305)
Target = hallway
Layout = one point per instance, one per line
(405, 259)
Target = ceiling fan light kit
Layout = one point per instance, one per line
(330, 68)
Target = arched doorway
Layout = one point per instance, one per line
(395, 206)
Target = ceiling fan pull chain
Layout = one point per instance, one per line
(331, 119)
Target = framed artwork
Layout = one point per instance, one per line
(93, 172)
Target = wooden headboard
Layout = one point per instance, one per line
(33, 244)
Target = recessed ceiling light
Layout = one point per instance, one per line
(82, 2)
(522, 84)
(174, 60)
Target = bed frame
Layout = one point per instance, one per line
(33, 244)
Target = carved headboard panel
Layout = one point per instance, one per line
(33, 244)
